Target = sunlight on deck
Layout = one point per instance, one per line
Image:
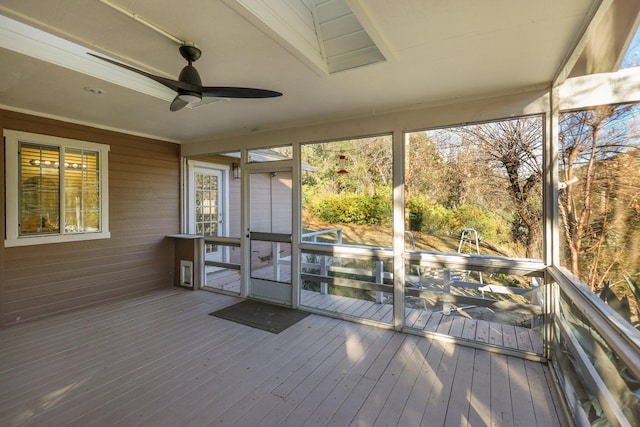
(160, 360)
(354, 346)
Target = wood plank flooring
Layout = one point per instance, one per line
(484, 331)
(509, 336)
(161, 360)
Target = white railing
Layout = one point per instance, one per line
(595, 355)
(306, 237)
(313, 235)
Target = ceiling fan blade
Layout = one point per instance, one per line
(177, 104)
(171, 84)
(238, 92)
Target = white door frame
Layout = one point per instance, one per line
(196, 166)
(282, 293)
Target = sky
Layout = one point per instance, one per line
(632, 58)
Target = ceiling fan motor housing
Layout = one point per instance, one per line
(190, 76)
(190, 53)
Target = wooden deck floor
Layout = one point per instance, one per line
(161, 360)
(483, 331)
(497, 333)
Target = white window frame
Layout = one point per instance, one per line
(194, 166)
(12, 143)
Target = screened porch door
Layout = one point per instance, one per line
(270, 215)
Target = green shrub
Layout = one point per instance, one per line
(488, 225)
(429, 217)
(362, 209)
(435, 218)
(417, 208)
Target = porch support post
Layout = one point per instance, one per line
(446, 290)
(551, 232)
(379, 275)
(245, 243)
(551, 247)
(398, 228)
(296, 226)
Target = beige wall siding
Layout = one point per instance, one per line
(234, 207)
(2, 231)
(260, 215)
(143, 206)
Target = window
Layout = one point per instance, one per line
(632, 56)
(347, 200)
(599, 203)
(347, 185)
(56, 189)
(478, 184)
(476, 190)
(271, 154)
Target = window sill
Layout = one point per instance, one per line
(43, 240)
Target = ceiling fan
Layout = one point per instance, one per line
(189, 87)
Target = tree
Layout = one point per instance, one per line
(513, 151)
(598, 204)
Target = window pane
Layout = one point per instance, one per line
(599, 203)
(39, 190)
(54, 190)
(82, 191)
(348, 285)
(612, 369)
(270, 154)
(347, 191)
(482, 180)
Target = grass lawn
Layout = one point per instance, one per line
(378, 235)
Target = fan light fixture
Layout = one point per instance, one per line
(190, 97)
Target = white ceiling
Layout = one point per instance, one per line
(437, 51)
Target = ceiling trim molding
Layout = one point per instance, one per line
(84, 123)
(26, 40)
(142, 20)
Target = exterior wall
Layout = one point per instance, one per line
(234, 208)
(261, 218)
(281, 207)
(234, 217)
(144, 180)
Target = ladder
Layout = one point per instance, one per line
(469, 238)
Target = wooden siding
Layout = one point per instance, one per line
(143, 208)
(2, 229)
(235, 214)
(282, 193)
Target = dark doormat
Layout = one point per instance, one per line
(261, 315)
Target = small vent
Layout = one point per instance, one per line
(186, 273)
